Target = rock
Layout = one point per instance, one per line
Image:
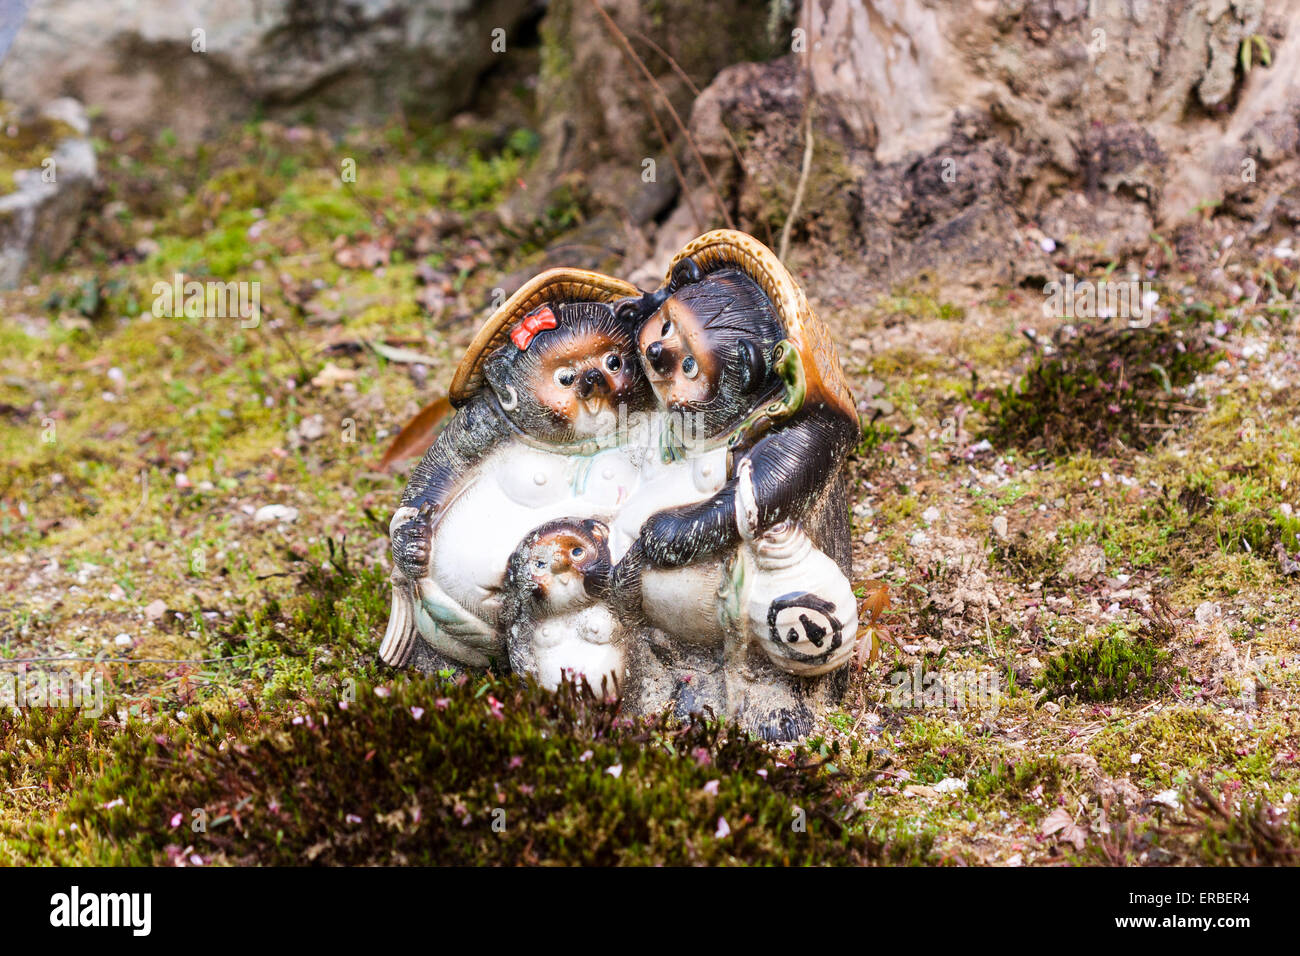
(1000, 527)
(311, 428)
(195, 67)
(275, 513)
(155, 610)
(1206, 612)
(950, 785)
(920, 790)
(52, 180)
(1085, 562)
(1167, 798)
(1009, 137)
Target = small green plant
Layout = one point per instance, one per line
(1104, 668)
(1254, 834)
(1017, 777)
(1251, 43)
(1100, 390)
(874, 435)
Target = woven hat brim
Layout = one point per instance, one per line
(552, 287)
(723, 248)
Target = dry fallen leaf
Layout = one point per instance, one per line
(1059, 820)
(363, 254)
(876, 602)
(418, 434)
(331, 374)
(919, 790)
(400, 355)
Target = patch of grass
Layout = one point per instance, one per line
(1212, 829)
(1105, 668)
(1175, 744)
(324, 635)
(1099, 390)
(939, 748)
(1017, 777)
(1030, 558)
(1254, 833)
(488, 771)
(920, 305)
(45, 753)
(874, 435)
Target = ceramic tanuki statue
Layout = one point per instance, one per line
(741, 573)
(643, 489)
(537, 398)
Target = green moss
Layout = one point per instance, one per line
(25, 145)
(925, 304)
(322, 636)
(1181, 742)
(1015, 778)
(1253, 833)
(1099, 390)
(475, 772)
(1117, 665)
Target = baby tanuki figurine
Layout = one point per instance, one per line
(551, 610)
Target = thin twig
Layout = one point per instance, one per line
(376, 214)
(695, 90)
(668, 148)
(631, 54)
(690, 84)
(804, 169)
(803, 182)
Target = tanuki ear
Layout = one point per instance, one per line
(496, 372)
(753, 366)
(632, 312)
(686, 272)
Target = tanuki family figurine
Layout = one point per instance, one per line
(645, 490)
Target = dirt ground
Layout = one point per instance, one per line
(1113, 619)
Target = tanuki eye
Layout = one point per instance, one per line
(667, 330)
(613, 362)
(577, 552)
(565, 377)
(689, 367)
(540, 564)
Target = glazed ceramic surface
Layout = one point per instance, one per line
(644, 490)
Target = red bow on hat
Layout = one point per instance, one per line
(539, 320)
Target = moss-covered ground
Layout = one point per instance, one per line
(1090, 655)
